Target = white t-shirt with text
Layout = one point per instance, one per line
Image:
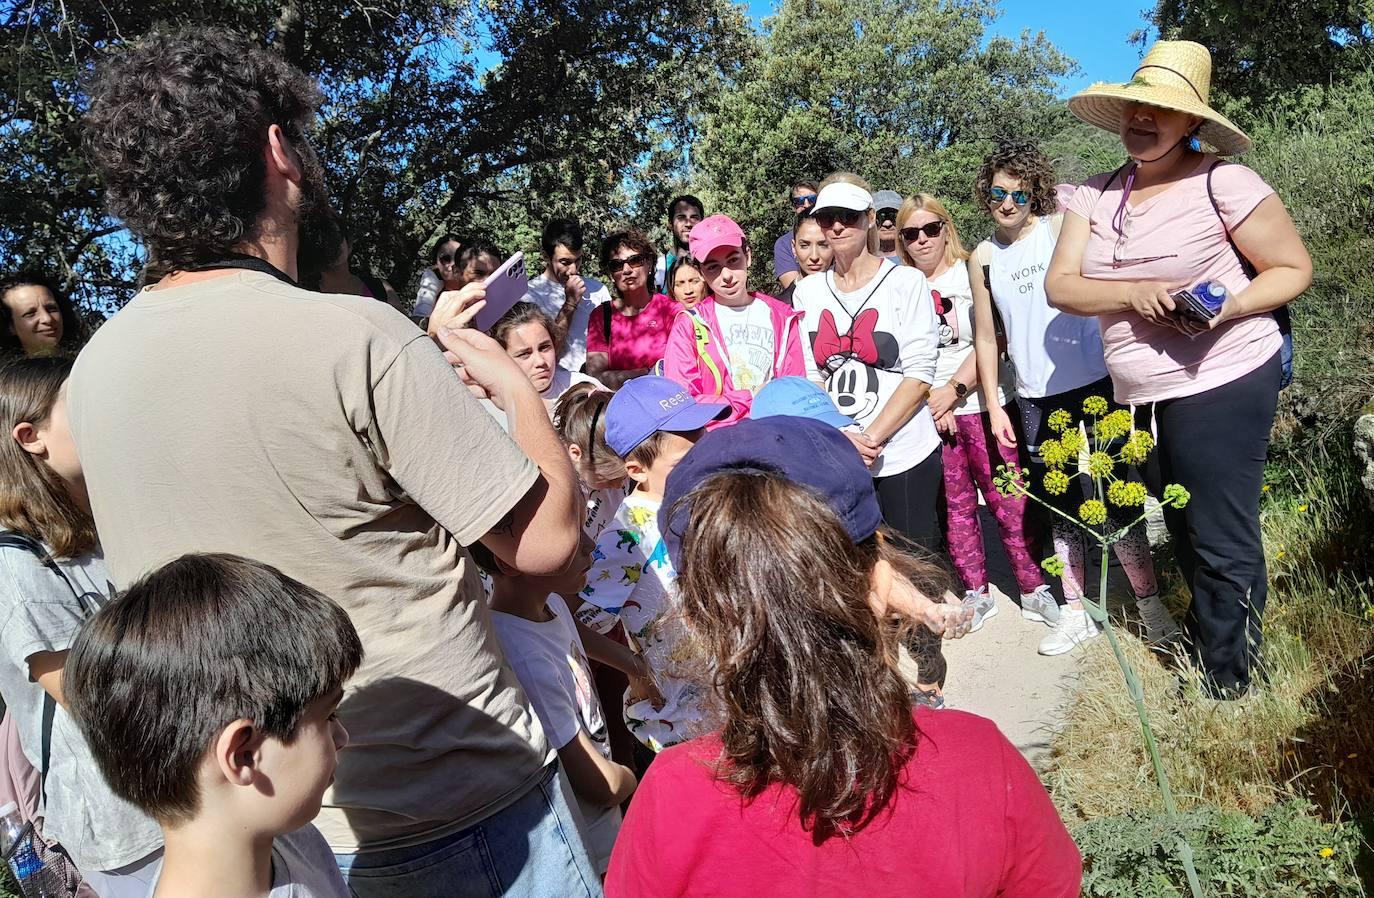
(954, 308)
(749, 343)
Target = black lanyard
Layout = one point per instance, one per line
(247, 263)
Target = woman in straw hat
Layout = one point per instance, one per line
(1173, 217)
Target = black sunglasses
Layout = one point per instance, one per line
(887, 216)
(850, 217)
(806, 199)
(931, 230)
(447, 258)
(617, 264)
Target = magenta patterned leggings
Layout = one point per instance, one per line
(969, 466)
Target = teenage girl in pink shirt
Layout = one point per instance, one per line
(1170, 218)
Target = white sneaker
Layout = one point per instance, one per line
(1040, 606)
(1160, 627)
(1074, 626)
(984, 607)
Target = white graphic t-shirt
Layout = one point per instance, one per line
(749, 343)
(861, 345)
(954, 308)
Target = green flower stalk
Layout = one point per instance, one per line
(1135, 447)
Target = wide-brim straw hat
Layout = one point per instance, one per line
(1173, 75)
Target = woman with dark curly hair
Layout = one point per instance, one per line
(1058, 362)
(626, 336)
(38, 318)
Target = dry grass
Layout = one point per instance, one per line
(1307, 733)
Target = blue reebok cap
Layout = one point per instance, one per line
(803, 450)
(649, 404)
(800, 398)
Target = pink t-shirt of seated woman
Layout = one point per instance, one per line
(638, 341)
(1150, 362)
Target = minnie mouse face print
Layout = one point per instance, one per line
(948, 329)
(854, 389)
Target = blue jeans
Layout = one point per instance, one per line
(530, 849)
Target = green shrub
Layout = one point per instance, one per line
(1285, 852)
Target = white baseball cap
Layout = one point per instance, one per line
(842, 195)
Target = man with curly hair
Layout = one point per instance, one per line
(226, 409)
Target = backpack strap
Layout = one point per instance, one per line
(1281, 314)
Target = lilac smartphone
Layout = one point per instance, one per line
(506, 286)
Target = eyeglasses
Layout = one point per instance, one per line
(931, 230)
(848, 217)
(807, 199)
(997, 195)
(616, 265)
(887, 216)
(447, 259)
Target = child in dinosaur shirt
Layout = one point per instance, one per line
(651, 423)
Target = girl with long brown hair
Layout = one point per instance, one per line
(821, 778)
(52, 579)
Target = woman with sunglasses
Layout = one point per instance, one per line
(786, 267)
(1169, 220)
(1058, 362)
(929, 241)
(870, 341)
(626, 336)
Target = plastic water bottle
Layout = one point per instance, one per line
(35, 880)
(1211, 294)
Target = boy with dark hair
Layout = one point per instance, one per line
(563, 293)
(207, 693)
(683, 214)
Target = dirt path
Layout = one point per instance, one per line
(997, 673)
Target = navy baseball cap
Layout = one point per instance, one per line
(803, 450)
(800, 398)
(649, 404)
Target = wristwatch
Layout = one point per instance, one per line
(959, 389)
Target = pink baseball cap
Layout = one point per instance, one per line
(712, 233)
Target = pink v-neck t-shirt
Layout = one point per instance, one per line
(1150, 362)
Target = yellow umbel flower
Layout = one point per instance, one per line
(1095, 406)
(1126, 493)
(1137, 448)
(1056, 483)
(1100, 464)
(1093, 512)
(1115, 426)
(1054, 454)
(1060, 420)
(1072, 441)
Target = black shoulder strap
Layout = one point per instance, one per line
(606, 322)
(1282, 314)
(1116, 174)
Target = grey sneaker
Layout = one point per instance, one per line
(1160, 627)
(1074, 626)
(1040, 606)
(984, 607)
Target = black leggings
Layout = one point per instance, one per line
(1214, 445)
(909, 502)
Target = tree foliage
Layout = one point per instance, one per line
(906, 93)
(1263, 48)
(441, 115)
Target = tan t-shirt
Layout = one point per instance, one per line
(327, 436)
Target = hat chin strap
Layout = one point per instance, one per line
(1164, 155)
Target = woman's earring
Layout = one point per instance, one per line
(1194, 144)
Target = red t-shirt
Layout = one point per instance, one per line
(635, 342)
(972, 821)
